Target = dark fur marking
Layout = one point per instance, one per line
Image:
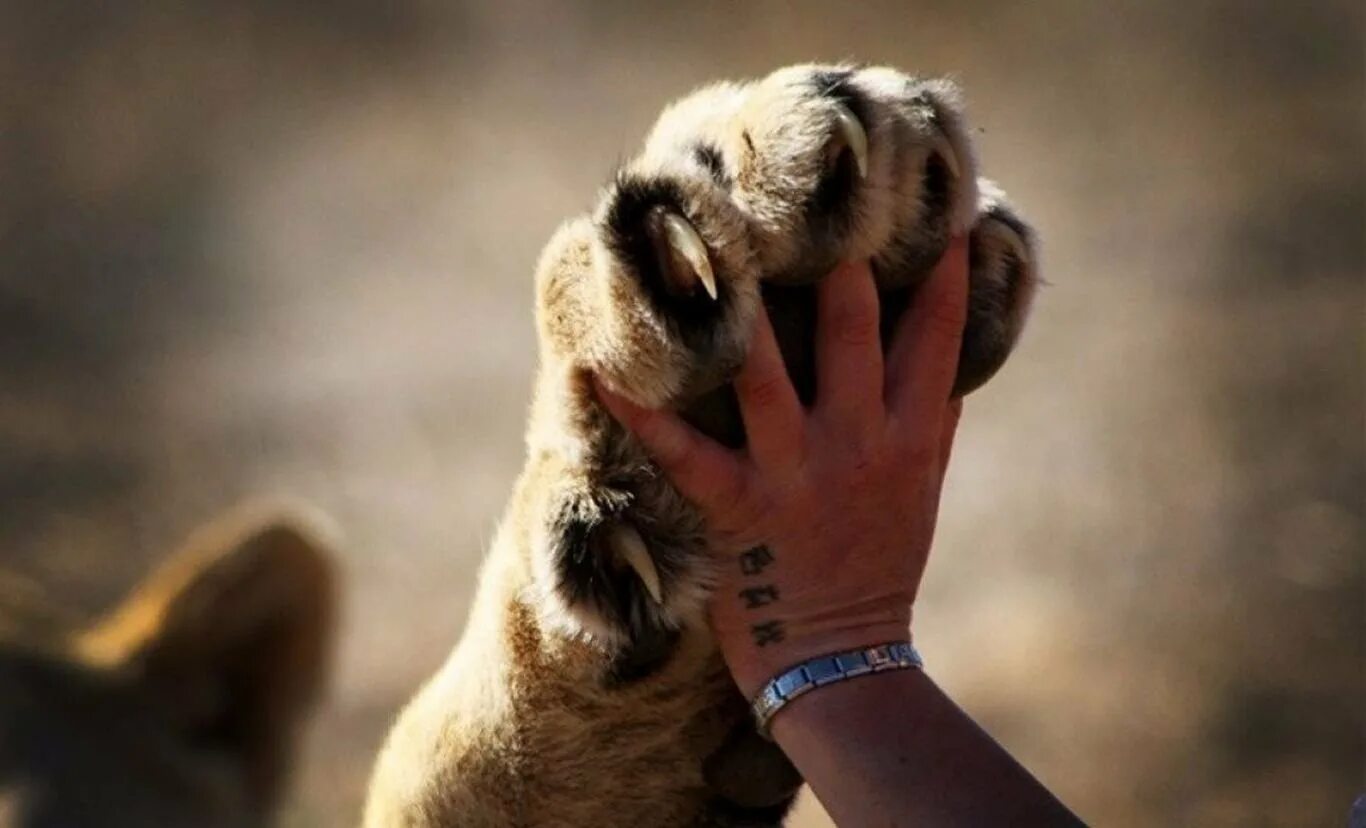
(588, 573)
(710, 157)
(829, 202)
(983, 351)
(626, 234)
(829, 208)
(935, 187)
(917, 253)
(838, 86)
(829, 81)
(908, 257)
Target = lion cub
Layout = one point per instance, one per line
(586, 690)
(181, 708)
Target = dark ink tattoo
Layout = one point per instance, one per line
(759, 596)
(755, 560)
(768, 632)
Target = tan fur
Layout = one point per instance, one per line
(574, 698)
(183, 706)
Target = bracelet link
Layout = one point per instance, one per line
(829, 669)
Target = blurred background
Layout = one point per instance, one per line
(286, 247)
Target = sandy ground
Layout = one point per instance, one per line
(275, 248)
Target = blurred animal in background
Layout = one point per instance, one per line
(184, 705)
(586, 689)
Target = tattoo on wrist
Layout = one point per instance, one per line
(768, 632)
(759, 596)
(754, 562)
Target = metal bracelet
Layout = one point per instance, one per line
(830, 669)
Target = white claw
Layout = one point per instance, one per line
(631, 547)
(945, 150)
(855, 137)
(684, 239)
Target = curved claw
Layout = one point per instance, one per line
(853, 136)
(685, 241)
(630, 546)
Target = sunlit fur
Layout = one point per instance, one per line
(574, 698)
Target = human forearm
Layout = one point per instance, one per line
(893, 750)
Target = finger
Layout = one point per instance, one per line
(849, 377)
(772, 414)
(701, 469)
(924, 357)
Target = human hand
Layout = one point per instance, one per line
(829, 512)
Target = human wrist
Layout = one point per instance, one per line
(753, 666)
(826, 710)
(818, 673)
